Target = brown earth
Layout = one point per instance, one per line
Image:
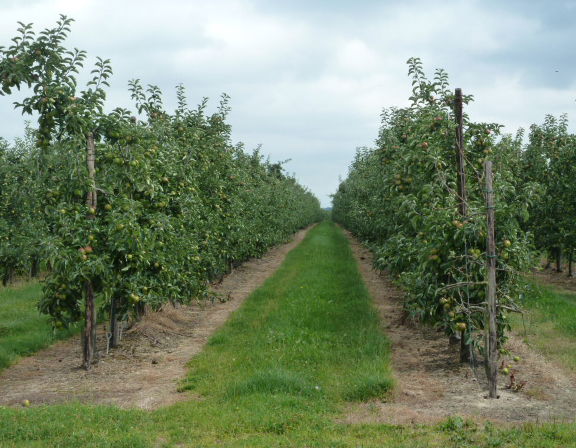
(432, 384)
(144, 370)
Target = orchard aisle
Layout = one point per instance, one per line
(152, 356)
(303, 362)
(431, 384)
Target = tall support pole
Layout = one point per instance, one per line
(113, 336)
(461, 179)
(491, 348)
(461, 184)
(89, 339)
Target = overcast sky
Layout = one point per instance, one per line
(308, 78)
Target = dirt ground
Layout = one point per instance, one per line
(144, 370)
(432, 384)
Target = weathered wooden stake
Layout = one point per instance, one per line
(491, 348)
(461, 179)
(461, 183)
(89, 339)
(113, 323)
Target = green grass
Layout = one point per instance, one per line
(310, 331)
(279, 374)
(550, 322)
(23, 330)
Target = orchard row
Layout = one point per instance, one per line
(402, 199)
(170, 205)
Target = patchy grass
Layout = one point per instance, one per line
(23, 330)
(550, 322)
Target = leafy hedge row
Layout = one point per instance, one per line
(401, 198)
(549, 159)
(177, 203)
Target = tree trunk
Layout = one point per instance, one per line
(464, 349)
(571, 264)
(9, 276)
(5, 277)
(559, 259)
(89, 339)
(35, 268)
(140, 310)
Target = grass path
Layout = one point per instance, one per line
(278, 374)
(310, 331)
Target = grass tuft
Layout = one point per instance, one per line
(370, 386)
(272, 382)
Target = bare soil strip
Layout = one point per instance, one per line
(432, 384)
(143, 372)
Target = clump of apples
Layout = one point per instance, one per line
(85, 251)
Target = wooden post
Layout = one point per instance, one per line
(461, 178)
(113, 323)
(491, 348)
(461, 184)
(89, 339)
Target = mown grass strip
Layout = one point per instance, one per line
(309, 331)
(23, 330)
(279, 374)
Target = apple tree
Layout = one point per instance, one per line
(402, 199)
(141, 209)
